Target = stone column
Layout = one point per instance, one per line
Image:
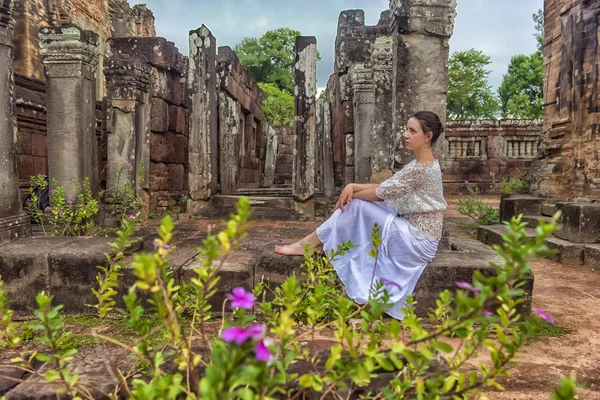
(70, 57)
(202, 89)
(14, 223)
(128, 125)
(361, 75)
(270, 156)
(303, 176)
(382, 142)
(320, 123)
(421, 32)
(229, 143)
(328, 158)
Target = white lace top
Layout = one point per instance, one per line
(416, 193)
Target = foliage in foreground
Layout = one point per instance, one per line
(256, 349)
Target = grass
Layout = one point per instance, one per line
(546, 331)
(469, 229)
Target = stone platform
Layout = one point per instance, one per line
(67, 267)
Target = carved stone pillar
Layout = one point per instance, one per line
(303, 176)
(362, 87)
(128, 125)
(70, 57)
(14, 223)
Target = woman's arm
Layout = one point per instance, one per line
(368, 195)
(359, 187)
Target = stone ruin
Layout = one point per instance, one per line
(97, 89)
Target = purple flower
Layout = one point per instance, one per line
(60, 212)
(262, 352)
(52, 191)
(483, 213)
(257, 332)
(235, 334)
(131, 217)
(386, 281)
(467, 286)
(139, 188)
(155, 243)
(466, 182)
(128, 163)
(33, 237)
(29, 200)
(487, 313)
(544, 316)
(44, 176)
(69, 202)
(241, 299)
(166, 246)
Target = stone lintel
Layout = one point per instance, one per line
(382, 56)
(428, 17)
(125, 79)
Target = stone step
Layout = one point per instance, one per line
(566, 252)
(263, 208)
(548, 209)
(451, 265)
(270, 191)
(533, 220)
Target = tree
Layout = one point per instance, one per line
(521, 91)
(470, 96)
(538, 18)
(278, 106)
(271, 58)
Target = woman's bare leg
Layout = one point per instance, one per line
(297, 249)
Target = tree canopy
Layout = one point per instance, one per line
(278, 106)
(470, 96)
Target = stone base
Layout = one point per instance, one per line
(580, 223)
(512, 205)
(65, 267)
(263, 208)
(14, 227)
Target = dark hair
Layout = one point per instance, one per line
(430, 122)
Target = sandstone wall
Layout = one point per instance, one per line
(506, 148)
(107, 18)
(285, 156)
(245, 101)
(571, 163)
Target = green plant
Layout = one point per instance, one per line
(473, 207)
(253, 355)
(515, 185)
(126, 197)
(66, 218)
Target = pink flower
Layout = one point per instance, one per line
(166, 246)
(235, 334)
(128, 163)
(386, 281)
(33, 237)
(487, 313)
(466, 182)
(131, 217)
(544, 316)
(60, 212)
(52, 191)
(491, 173)
(241, 299)
(467, 286)
(139, 188)
(262, 352)
(69, 202)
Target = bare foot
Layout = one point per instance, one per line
(290, 250)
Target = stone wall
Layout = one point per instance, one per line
(475, 149)
(571, 163)
(106, 18)
(167, 172)
(242, 138)
(284, 162)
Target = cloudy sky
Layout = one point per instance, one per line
(500, 28)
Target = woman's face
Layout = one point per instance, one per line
(414, 137)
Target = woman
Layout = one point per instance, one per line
(409, 209)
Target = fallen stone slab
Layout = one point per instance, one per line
(566, 252)
(512, 205)
(580, 222)
(64, 267)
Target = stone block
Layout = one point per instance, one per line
(24, 143)
(38, 145)
(565, 251)
(177, 119)
(25, 165)
(159, 118)
(180, 148)
(591, 256)
(580, 223)
(513, 205)
(548, 209)
(161, 85)
(176, 173)
(159, 177)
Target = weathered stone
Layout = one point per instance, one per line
(202, 89)
(580, 223)
(128, 125)
(228, 143)
(13, 222)
(421, 31)
(303, 178)
(270, 156)
(328, 161)
(159, 121)
(320, 127)
(514, 205)
(361, 75)
(70, 58)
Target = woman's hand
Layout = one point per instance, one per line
(345, 197)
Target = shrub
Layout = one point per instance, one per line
(253, 355)
(471, 206)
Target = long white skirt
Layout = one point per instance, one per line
(401, 259)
